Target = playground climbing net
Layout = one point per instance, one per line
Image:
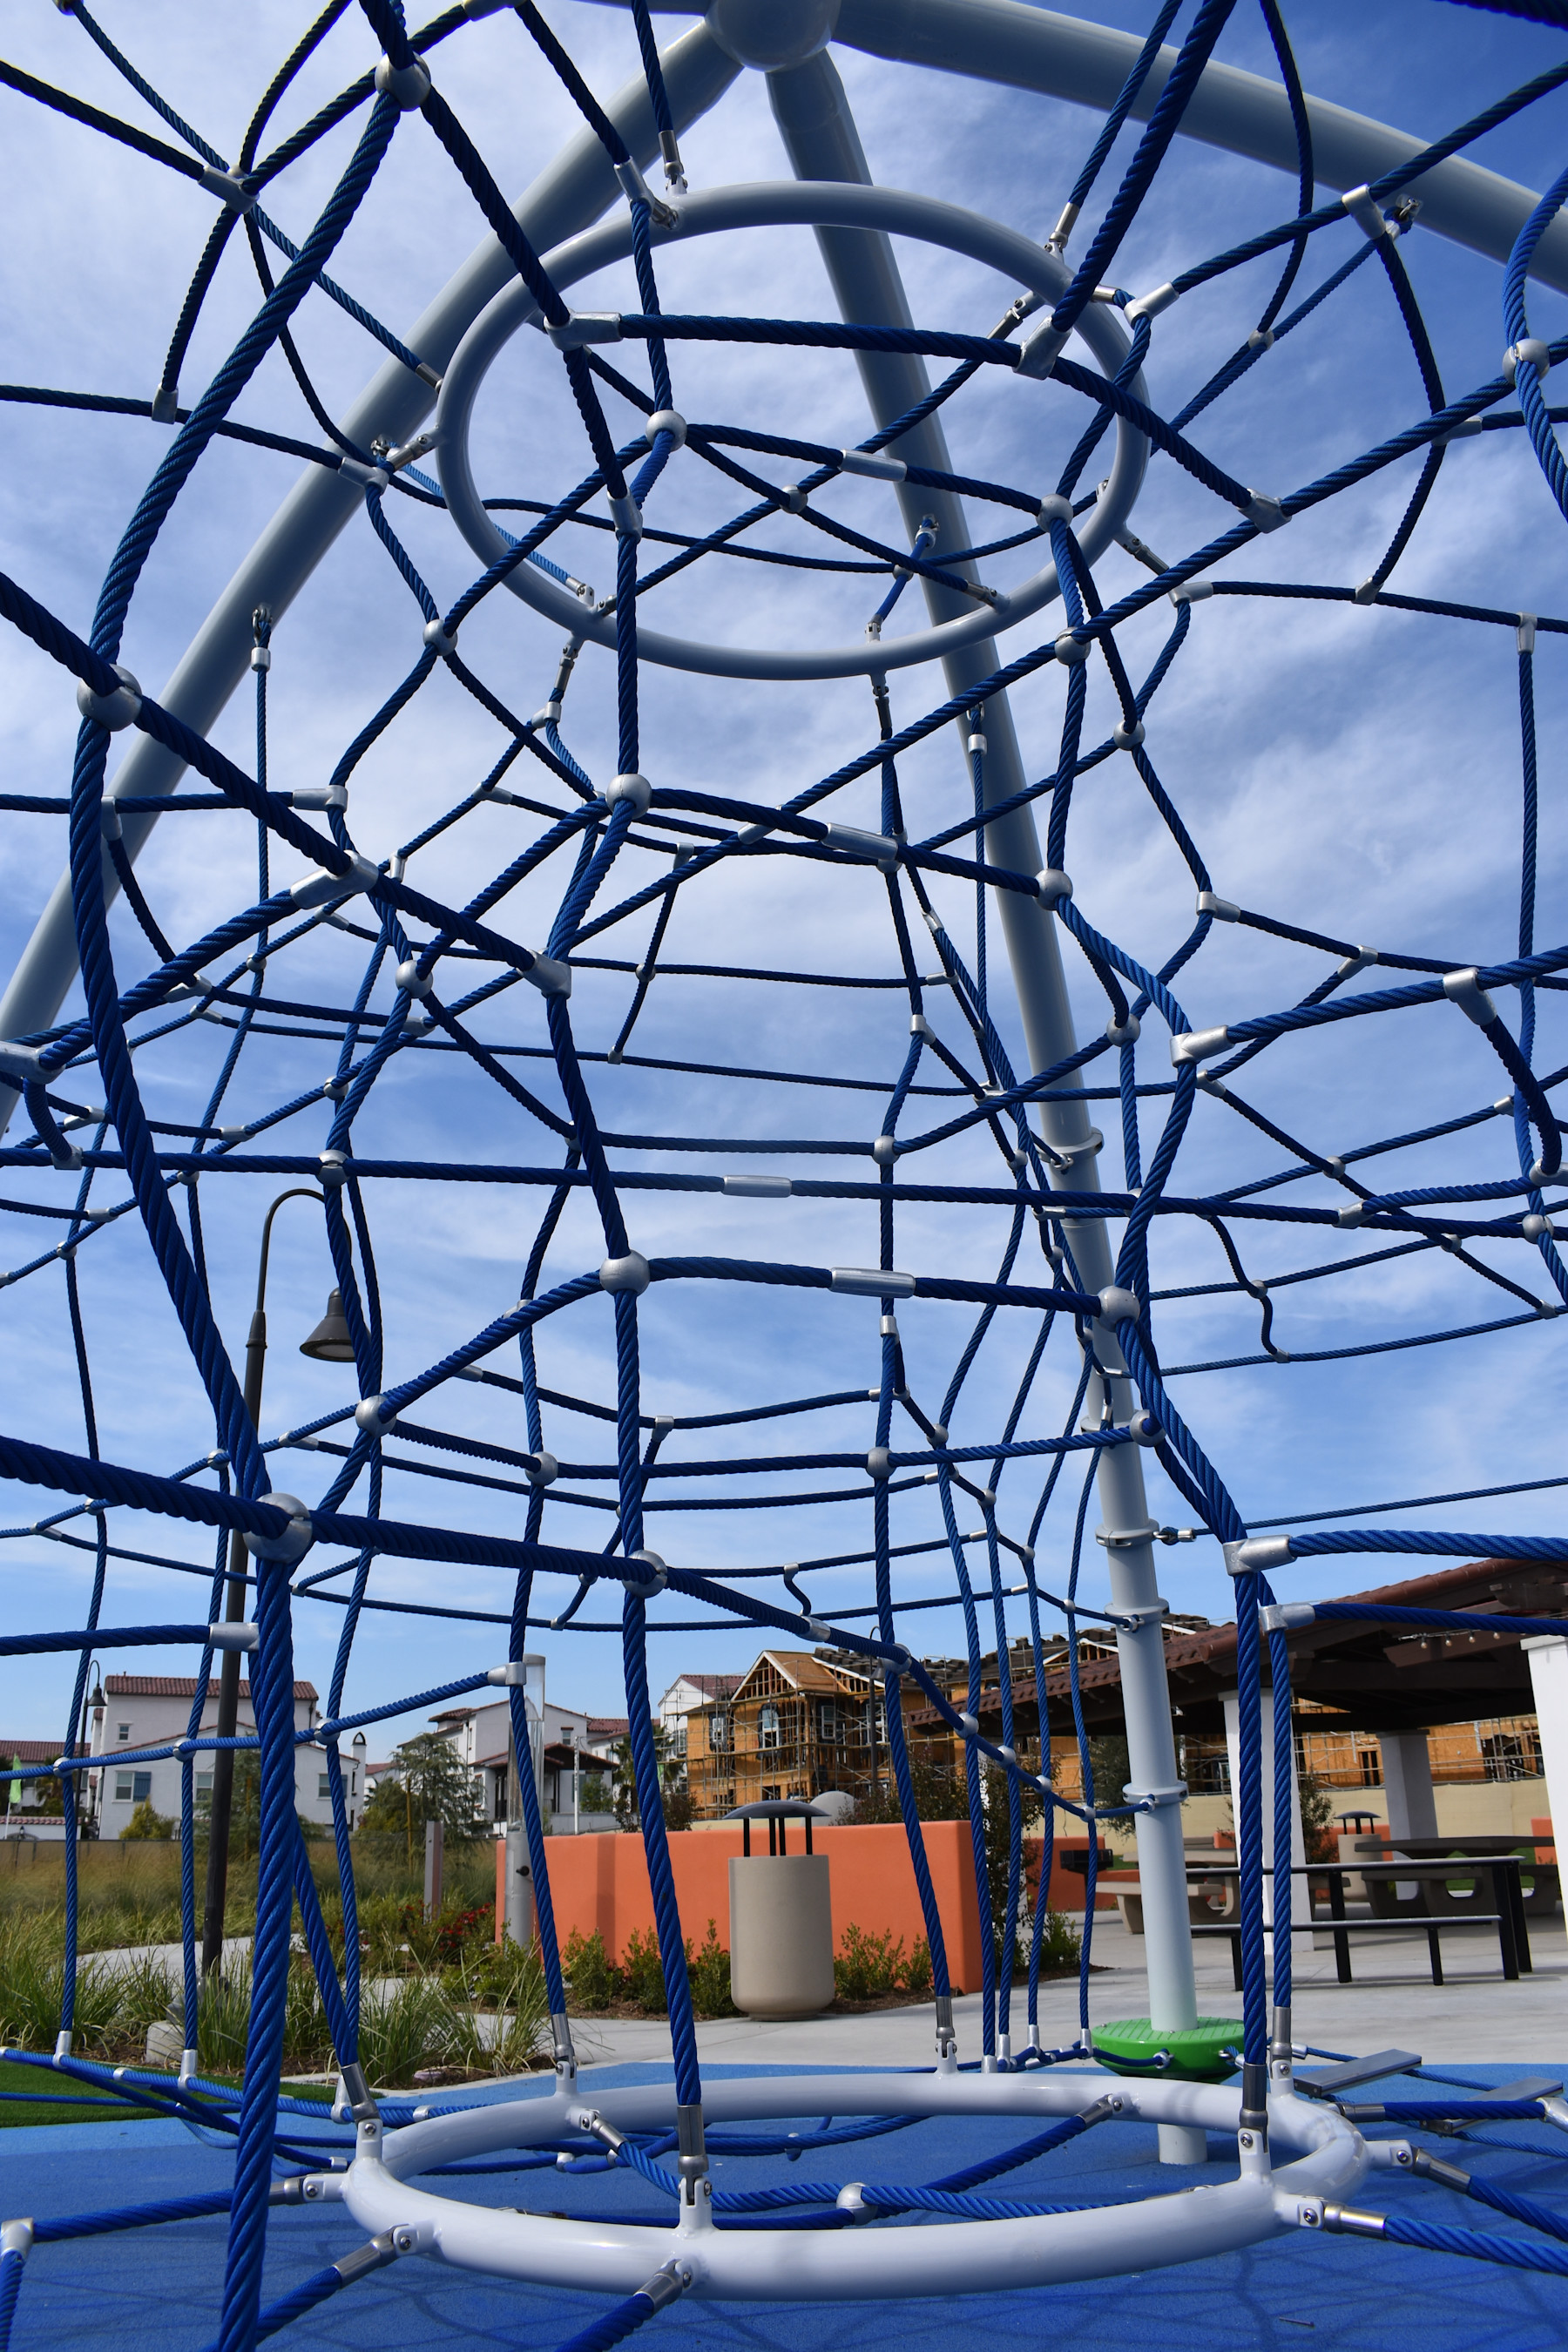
(433, 981)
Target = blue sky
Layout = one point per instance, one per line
(1349, 770)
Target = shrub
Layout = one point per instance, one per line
(146, 1823)
(643, 1973)
(509, 2040)
(709, 1971)
(1060, 1944)
(595, 1979)
(32, 1983)
(868, 1966)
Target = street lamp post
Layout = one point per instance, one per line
(234, 1613)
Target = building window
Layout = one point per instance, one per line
(678, 1740)
(324, 1785)
(132, 1788)
(771, 1790)
(1371, 1762)
(124, 1731)
(718, 1732)
(828, 1726)
(203, 1784)
(768, 1728)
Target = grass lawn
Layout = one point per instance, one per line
(83, 2103)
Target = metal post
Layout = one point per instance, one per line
(434, 1857)
(234, 1614)
(519, 1889)
(819, 133)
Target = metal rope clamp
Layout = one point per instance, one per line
(294, 1541)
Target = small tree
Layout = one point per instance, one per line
(623, 1771)
(146, 1823)
(244, 1807)
(429, 1782)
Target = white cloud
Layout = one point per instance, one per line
(1353, 773)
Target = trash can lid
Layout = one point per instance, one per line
(773, 1809)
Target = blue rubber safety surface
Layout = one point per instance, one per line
(158, 2289)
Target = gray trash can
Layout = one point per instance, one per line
(781, 1918)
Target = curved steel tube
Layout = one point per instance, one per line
(1328, 2159)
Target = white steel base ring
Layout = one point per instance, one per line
(1326, 2159)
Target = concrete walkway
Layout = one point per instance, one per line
(1473, 2018)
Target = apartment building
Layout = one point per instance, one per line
(141, 1711)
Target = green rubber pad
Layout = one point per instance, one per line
(1198, 2052)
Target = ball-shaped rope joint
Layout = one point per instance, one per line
(1055, 508)
(1532, 351)
(1535, 1229)
(792, 498)
(939, 1433)
(1143, 1428)
(1051, 886)
(439, 637)
(633, 788)
(331, 1170)
(296, 1539)
(884, 1151)
(1071, 650)
(667, 420)
(630, 1272)
(111, 710)
(969, 1726)
(879, 1463)
(1118, 1305)
(655, 1576)
(1538, 1174)
(1125, 738)
(408, 86)
(1124, 1032)
(542, 1469)
(1008, 1755)
(760, 34)
(371, 1415)
(411, 979)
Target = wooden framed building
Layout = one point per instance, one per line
(799, 1724)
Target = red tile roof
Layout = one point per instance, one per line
(178, 1686)
(34, 1752)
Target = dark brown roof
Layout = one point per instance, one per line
(34, 1752)
(178, 1686)
(606, 1727)
(1371, 1677)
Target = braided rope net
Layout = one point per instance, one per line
(674, 1018)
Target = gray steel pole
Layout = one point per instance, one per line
(567, 197)
(819, 133)
(1024, 47)
(1035, 48)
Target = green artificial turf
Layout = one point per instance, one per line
(53, 2101)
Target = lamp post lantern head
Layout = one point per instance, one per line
(330, 1342)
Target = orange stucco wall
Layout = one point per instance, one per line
(601, 1882)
